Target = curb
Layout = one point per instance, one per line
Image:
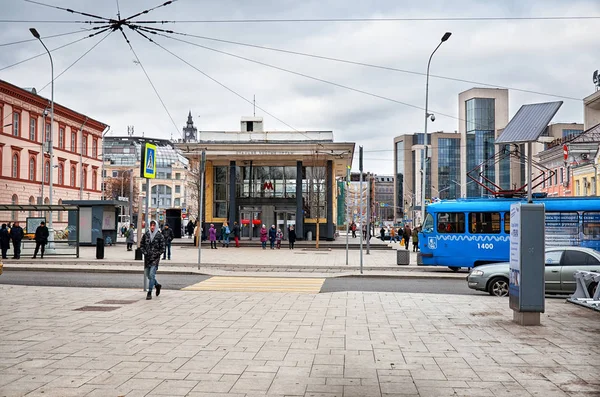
(403, 275)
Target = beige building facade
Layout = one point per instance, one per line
(25, 163)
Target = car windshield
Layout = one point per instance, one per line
(428, 225)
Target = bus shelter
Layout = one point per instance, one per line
(63, 241)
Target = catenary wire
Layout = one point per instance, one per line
(424, 19)
(307, 76)
(216, 81)
(68, 10)
(45, 53)
(78, 59)
(48, 37)
(149, 10)
(150, 81)
(362, 64)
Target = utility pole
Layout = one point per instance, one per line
(200, 209)
(368, 214)
(360, 167)
(347, 210)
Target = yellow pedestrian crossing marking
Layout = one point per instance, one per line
(259, 284)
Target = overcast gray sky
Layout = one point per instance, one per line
(551, 56)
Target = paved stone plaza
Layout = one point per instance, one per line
(112, 342)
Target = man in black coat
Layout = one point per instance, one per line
(169, 236)
(152, 246)
(4, 240)
(16, 235)
(41, 239)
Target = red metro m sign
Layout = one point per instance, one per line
(268, 186)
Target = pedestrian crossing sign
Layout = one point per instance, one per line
(148, 161)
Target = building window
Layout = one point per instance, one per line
(115, 174)
(16, 120)
(15, 201)
(46, 172)
(61, 174)
(84, 178)
(562, 176)
(73, 176)
(31, 202)
(84, 145)
(577, 188)
(220, 192)
(94, 148)
(177, 175)
(550, 179)
(61, 138)
(177, 202)
(556, 178)
(73, 141)
(95, 180)
(60, 213)
(593, 186)
(15, 165)
(32, 169)
(47, 136)
(177, 189)
(32, 129)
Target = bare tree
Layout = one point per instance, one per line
(120, 187)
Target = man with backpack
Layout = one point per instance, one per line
(225, 232)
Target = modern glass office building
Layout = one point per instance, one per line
(483, 113)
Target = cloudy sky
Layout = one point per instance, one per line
(550, 56)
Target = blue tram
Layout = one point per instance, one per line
(471, 232)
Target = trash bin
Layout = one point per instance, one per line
(99, 248)
(309, 235)
(138, 254)
(402, 257)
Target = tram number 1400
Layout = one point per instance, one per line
(485, 246)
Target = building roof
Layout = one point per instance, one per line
(126, 151)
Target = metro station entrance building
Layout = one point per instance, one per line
(256, 178)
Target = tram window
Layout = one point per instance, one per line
(451, 222)
(484, 222)
(591, 224)
(428, 225)
(507, 222)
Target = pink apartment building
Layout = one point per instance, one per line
(25, 164)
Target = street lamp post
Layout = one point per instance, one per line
(424, 156)
(50, 141)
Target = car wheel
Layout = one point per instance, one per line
(592, 289)
(498, 286)
(454, 268)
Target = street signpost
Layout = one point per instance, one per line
(147, 171)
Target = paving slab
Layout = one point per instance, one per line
(275, 344)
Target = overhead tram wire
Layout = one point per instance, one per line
(148, 10)
(424, 19)
(218, 82)
(55, 49)
(69, 10)
(78, 59)
(304, 75)
(362, 64)
(150, 80)
(48, 37)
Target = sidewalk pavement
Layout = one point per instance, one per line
(112, 342)
(241, 261)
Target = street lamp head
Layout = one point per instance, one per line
(446, 36)
(34, 33)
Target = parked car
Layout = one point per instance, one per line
(561, 264)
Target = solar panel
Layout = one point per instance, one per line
(529, 122)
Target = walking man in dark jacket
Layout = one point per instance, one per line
(152, 246)
(169, 236)
(41, 239)
(16, 235)
(4, 240)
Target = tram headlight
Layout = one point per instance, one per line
(477, 273)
